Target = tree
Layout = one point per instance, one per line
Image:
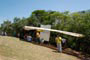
(6, 27)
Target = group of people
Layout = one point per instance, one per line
(58, 40)
(29, 38)
(3, 33)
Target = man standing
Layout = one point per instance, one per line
(38, 37)
(58, 41)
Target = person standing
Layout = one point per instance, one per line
(38, 37)
(59, 44)
(2, 33)
(25, 37)
(5, 34)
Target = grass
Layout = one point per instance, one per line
(14, 49)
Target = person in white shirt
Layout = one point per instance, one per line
(29, 38)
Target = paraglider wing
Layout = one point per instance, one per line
(59, 31)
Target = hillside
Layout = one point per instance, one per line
(14, 49)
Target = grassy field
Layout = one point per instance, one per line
(14, 49)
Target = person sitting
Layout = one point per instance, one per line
(29, 38)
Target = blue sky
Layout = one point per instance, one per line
(23, 8)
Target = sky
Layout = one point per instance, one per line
(23, 8)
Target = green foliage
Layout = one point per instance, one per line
(7, 27)
(78, 22)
